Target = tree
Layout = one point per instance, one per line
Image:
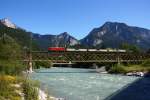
(130, 48)
(10, 55)
(78, 46)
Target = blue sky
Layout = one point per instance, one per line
(77, 17)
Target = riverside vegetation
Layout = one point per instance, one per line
(13, 85)
(126, 68)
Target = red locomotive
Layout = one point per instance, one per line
(60, 49)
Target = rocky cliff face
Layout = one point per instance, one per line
(113, 34)
(8, 23)
(61, 40)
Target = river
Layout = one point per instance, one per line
(80, 84)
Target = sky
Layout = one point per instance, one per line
(77, 17)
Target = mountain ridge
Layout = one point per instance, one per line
(113, 34)
(62, 39)
(109, 35)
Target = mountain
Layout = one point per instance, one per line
(114, 34)
(41, 42)
(8, 23)
(21, 36)
(109, 35)
(63, 39)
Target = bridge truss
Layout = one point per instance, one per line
(78, 56)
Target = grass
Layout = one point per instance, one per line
(120, 68)
(30, 90)
(136, 68)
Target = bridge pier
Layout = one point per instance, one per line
(94, 65)
(118, 60)
(30, 66)
(30, 63)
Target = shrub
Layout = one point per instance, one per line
(8, 78)
(30, 90)
(6, 90)
(10, 54)
(44, 64)
(146, 63)
(118, 68)
(148, 70)
(10, 67)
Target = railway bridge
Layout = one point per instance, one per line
(69, 57)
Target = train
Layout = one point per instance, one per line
(63, 49)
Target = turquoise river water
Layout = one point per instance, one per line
(80, 84)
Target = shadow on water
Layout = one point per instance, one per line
(138, 90)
